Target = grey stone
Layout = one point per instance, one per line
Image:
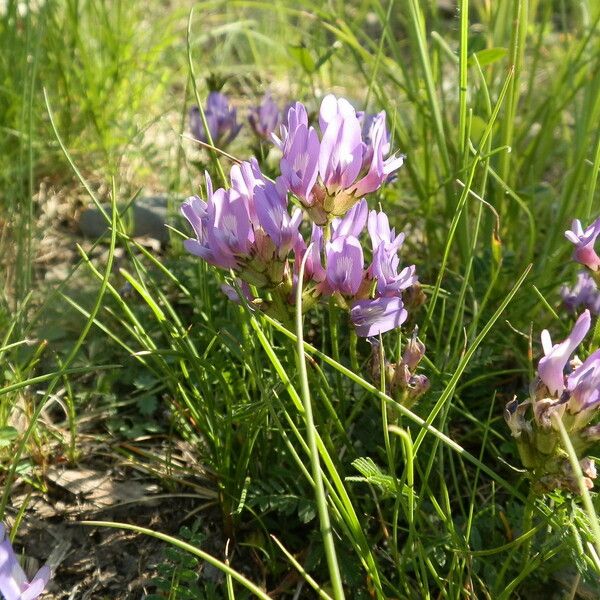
(145, 218)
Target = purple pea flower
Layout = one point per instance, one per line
(299, 164)
(372, 317)
(273, 217)
(583, 385)
(314, 266)
(222, 227)
(265, 118)
(13, 581)
(386, 262)
(584, 241)
(345, 263)
(232, 293)
(584, 293)
(341, 151)
(379, 168)
(551, 366)
(220, 118)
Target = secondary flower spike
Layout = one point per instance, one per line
(565, 389)
(329, 174)
(584, 241)
(220, 118)
(13, 581)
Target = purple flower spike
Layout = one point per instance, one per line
(265, 118)
(372, 317)
(584, 293)
(344, 266)
(220, 118)
(551, 366)
(13, 581)
(584, 241)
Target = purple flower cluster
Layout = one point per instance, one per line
(246, 227)
(13, 581)
(565, 388)
(330, 172)
(220, 118)
(253, 229)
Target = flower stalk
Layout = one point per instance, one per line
(311, 439)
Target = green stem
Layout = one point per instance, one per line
(321, 500)
(583, 490)
(528, 523)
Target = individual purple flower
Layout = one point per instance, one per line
(299, 164)
(294, 115)
(226, 230)
(385, 265)
(372, 317)
(271, 209)
(220, 118)
(345, 266)
(313, 269)
(551, 366)
(584, 293)
(380, 231)
(265, 118)
(341, 151)
(584, 241)
(348, 162)
(13, 581)
(583, 385)
(379, 168)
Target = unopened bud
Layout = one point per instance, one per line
(414, 352)
(418, 385)
(514, 415)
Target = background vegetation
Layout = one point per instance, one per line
(496, 106)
